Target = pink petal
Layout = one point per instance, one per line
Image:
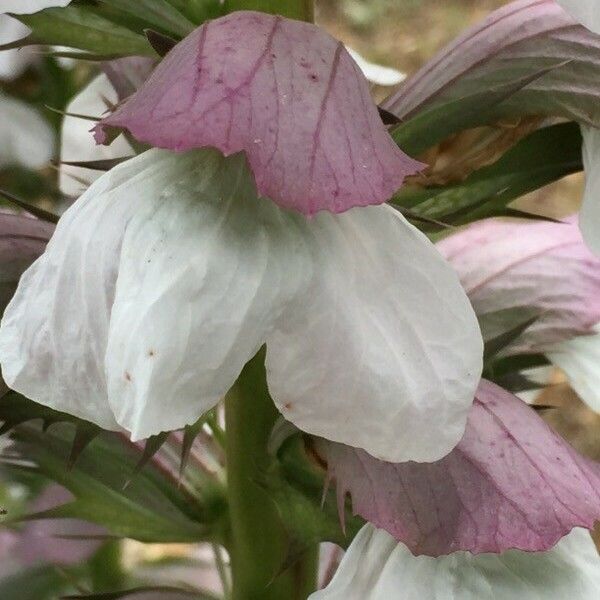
(511, 483)
(527, 269)
(287, 94)
(525, 39)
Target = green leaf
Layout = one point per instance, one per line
(539, 159)
(198, 11)
(39, 583)
(156, 13)
(40, 213)
(308, 510)
(131, 593)
(151, 509)
(436, 123)
(495, 345)
(16, 409)
(77, 27)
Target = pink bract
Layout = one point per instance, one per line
(284, 92)
(528, 269)
(511, 483)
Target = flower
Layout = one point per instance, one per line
(25, 137)
(585, 11)
(511, 483)
(527, 59)
(377, 74)
(376, 567)
(171, 272)
(13, 62)
(76, 141)
(168, 275)
(509, 271)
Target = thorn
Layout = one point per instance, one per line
(70, 114)
(40, 213)
(387, 117)
(96, 165)
(153, 445)
(161, 44)
(84, 434)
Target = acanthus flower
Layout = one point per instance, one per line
(171, 272)
(509, 272)
(376, 567)
(26, 139)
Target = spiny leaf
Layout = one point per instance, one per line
(539, 159)
(84, 434)
(16, 409)
(40, 213)
(76, 27)
(387, 117)
(151, 509)
(521, 214)
(158, 13)
(435, 124)
(153, 445)
(161, 43)
(187, 593)
(190, 433)
(495, 345)
(97, 165)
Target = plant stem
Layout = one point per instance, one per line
(258, 544)
(294, 9)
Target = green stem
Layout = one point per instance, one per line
(258, 545)
(302, 10)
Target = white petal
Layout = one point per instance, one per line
(168, 275)
(589, 219)
(13, 62)
(376, 567)
(586, 12)
(202, 280)
(28, 7)
(383, 352)
(77, 143)
(579, 358)
(26, 139)
(157, 287)
(377, 74)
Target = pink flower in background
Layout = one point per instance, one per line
(511, 483)
(513, 272)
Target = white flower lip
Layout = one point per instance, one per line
(28, 7)
(376, 567)
(26, 139)
(169, 274)
(587, 12)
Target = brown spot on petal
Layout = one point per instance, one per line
(127, 376)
